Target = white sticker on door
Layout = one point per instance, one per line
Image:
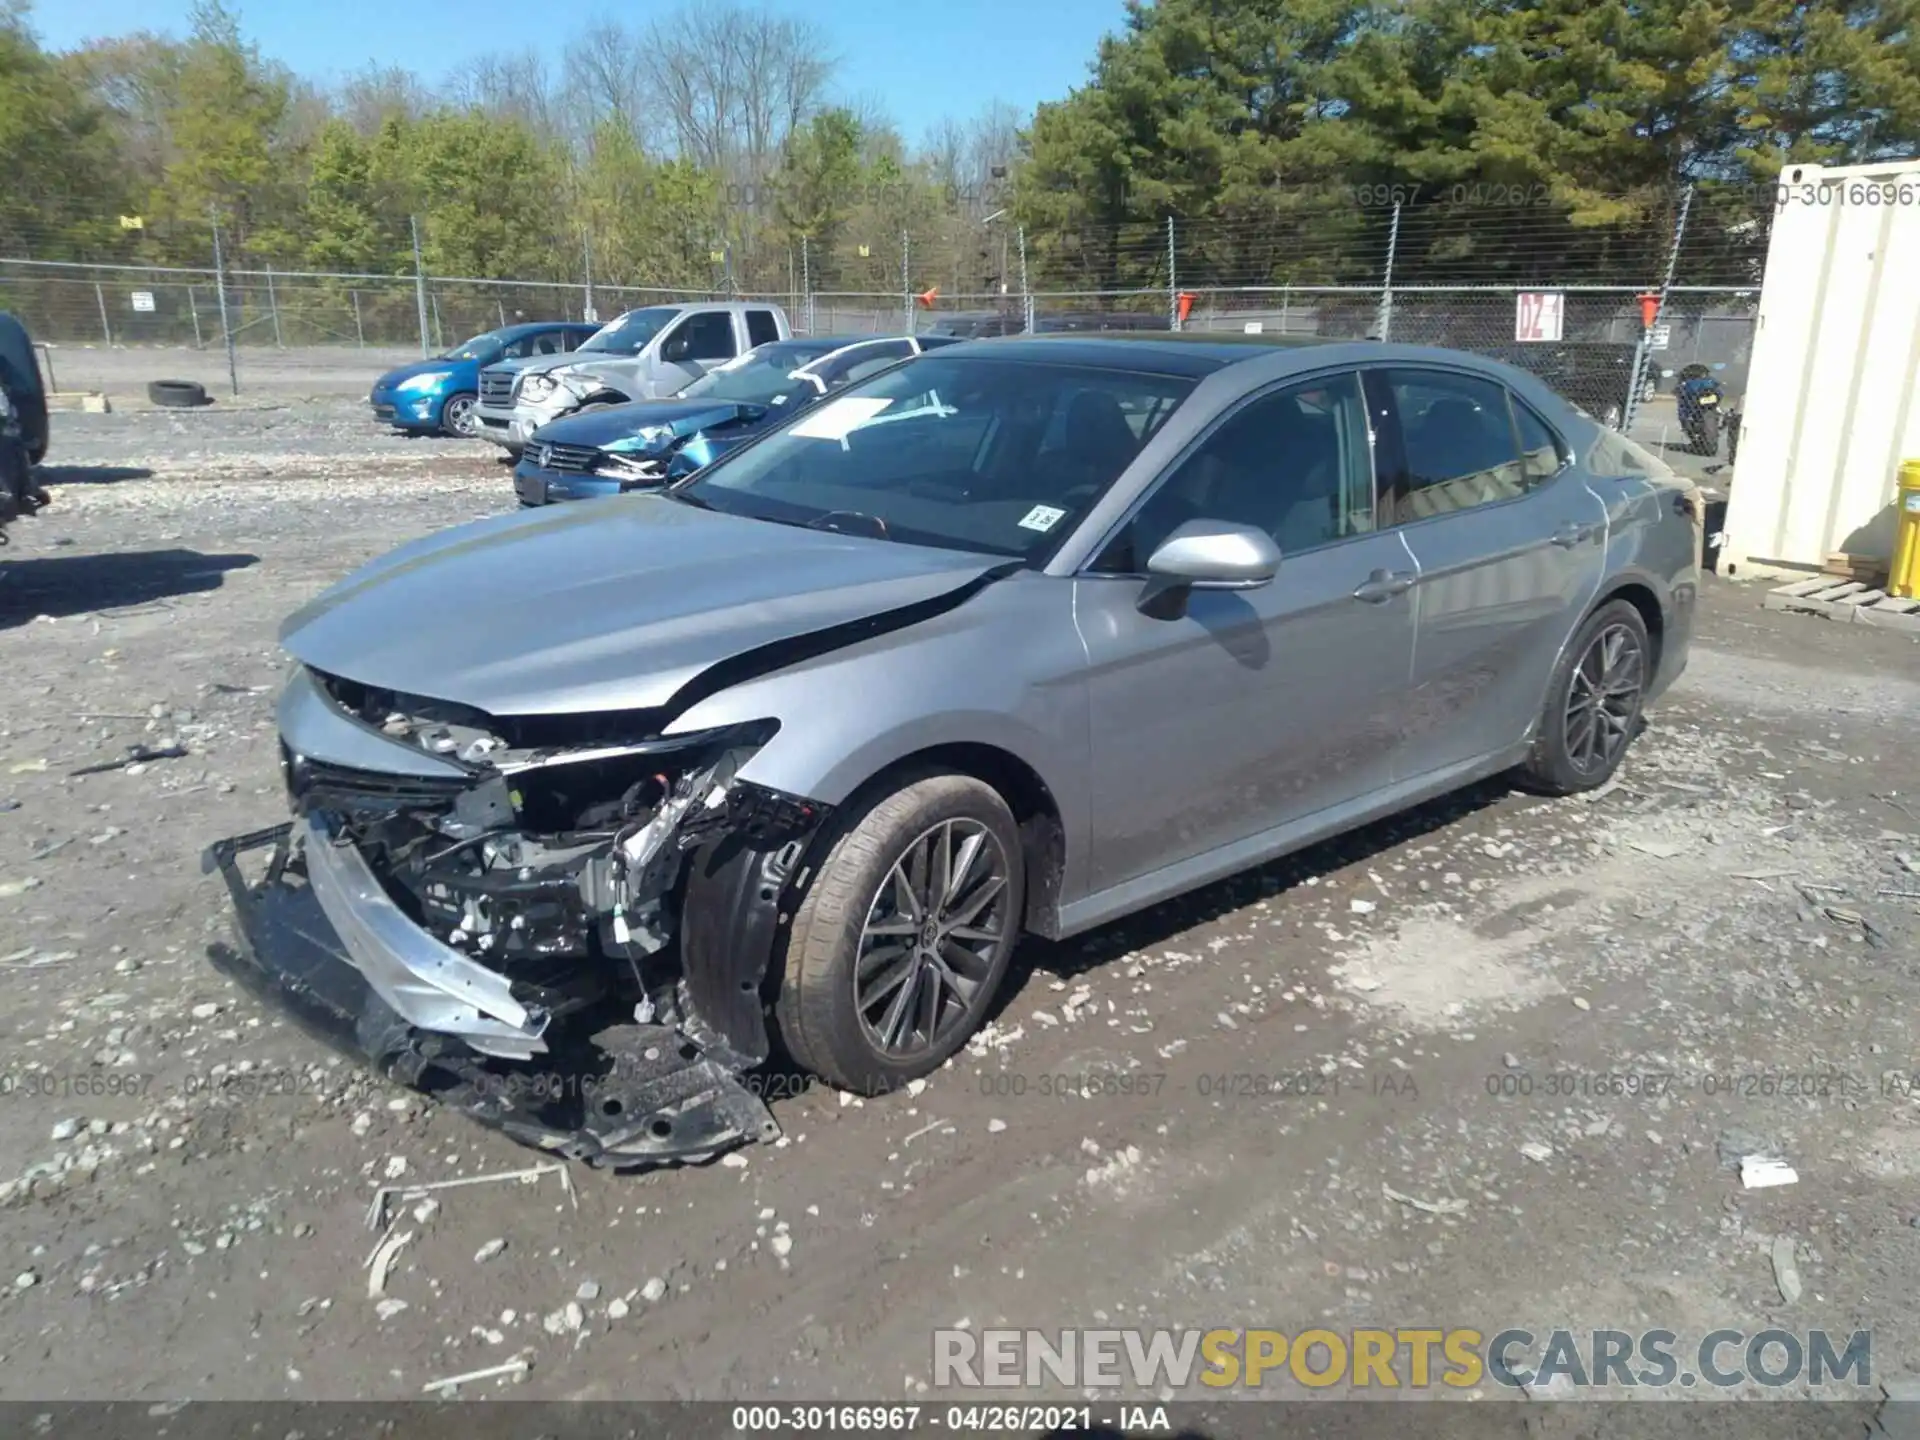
(1042, 517)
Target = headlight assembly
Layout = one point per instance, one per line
(536, 387)
(415, 384)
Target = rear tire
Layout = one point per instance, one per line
(1593, 704)
(1710, 432)
(891, 963)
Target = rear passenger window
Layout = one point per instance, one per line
(1541, 454)
(762, 329)
(1460, 445)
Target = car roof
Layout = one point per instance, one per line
(1170, 352)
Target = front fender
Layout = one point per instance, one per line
(1006, 670)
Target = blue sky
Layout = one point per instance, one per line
(921, 60)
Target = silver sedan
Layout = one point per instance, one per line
(1013, 638)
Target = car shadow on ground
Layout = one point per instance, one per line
(89, 474)
(61, 585)
(1064, 959)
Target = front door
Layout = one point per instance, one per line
(1260, 707)
(1511, 547)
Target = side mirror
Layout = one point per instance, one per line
(675, 350)
(1207, 555)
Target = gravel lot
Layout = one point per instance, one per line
(189, 1177)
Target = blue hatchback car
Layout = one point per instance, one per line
(438, 394)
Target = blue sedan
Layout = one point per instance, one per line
(438, 394)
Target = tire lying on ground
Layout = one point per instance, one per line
(178, 394)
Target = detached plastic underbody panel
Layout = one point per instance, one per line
(619, 1095)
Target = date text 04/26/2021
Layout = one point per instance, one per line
(971, 1419)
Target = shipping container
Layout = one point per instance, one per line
(1830, 411)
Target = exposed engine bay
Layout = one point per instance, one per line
(578, 900)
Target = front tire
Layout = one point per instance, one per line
(903, 934)
(1593, 704)
(1709, 442)
(457, 418)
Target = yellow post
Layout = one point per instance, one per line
(1903, 577)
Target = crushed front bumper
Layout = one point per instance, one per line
(311, 939)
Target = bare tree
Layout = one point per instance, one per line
(367, 100)
(606, 80)
(510, 85)
(734, 83)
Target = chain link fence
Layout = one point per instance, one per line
(1422, 275)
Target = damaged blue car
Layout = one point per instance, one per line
(609, 449)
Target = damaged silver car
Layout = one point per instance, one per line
(600, 809)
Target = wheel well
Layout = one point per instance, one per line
(1043, 837)
(1648, 604)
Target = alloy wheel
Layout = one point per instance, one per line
(459, 416)
(1603, 699)
(932, 933)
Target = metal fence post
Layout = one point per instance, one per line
(100, 298)
(1026, 291)
(586, 256)
(273, 305)
(359, 330)
(806, 285)
(419, 283)
(906, 281)
(220, 289)
(1642, 350)
(1173, 282)
(1385, 326)
(193, 309)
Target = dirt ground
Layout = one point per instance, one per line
(1445, 1006)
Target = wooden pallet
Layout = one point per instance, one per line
(1849, 601)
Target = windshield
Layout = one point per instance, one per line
(998, 456)
(483, 346)
(629, 334)
(760, 377)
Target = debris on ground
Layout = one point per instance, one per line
(1784, 1273)
(1761, 1172)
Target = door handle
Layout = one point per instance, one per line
(1572, 534)
(1382, 585)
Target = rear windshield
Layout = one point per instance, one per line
(629, 334)
(759, 377)
(998, 456)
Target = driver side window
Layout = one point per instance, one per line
(707, 336)
(1295, 463)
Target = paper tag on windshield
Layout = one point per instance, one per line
(834, 421)
(1042, 517)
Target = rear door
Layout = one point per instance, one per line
(1511, 548)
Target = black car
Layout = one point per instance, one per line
(985, 324)
(20, 378)
(23, 422)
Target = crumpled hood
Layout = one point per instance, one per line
(608, 606)
(419, 367)
(676, 420)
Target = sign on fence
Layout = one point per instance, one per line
(1659, 337)
(1539, 314)
(143, 301)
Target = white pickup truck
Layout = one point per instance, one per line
(645, 354)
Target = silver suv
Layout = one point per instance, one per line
(645, 354)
